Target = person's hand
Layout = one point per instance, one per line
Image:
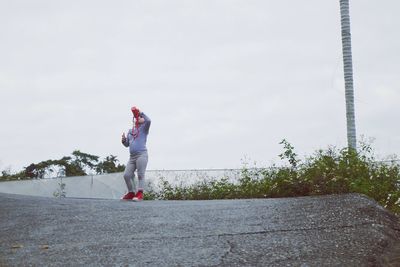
(123, 139)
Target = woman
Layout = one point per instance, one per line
(136, 141)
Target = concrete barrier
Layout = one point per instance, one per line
(107, 186)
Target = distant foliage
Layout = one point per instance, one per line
(330, 171)
(109, 165)
(79, 164)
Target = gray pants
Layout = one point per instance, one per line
(137, 162)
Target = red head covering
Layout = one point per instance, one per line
(136, 115)
(136, 112)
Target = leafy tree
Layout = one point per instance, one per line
(43, 169)
(71, 168)
(30, 171)
(79, 164)
(109, 165)
(6, 175)
(82, 161)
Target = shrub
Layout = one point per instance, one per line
(329, 171)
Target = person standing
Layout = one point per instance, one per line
(136, 139)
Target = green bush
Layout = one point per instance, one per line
(329, 171)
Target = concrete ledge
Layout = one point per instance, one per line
(335, 230)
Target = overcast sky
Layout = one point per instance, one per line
(222, 80)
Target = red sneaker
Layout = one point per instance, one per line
(139, 196)
(128, 196)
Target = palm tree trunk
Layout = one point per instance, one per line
(348, 73)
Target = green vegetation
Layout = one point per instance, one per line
(60, 192)
(329, 171)
(78, 164)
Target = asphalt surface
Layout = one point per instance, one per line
(337, 230)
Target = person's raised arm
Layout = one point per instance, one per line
(147, 122)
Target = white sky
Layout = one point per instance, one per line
(222, 80)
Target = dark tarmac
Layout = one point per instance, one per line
(336, 230)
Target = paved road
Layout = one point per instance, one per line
(346, 230)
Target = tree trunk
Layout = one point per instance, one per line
(348, 73)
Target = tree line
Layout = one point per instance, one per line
(78, 164)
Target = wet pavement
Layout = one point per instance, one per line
(336, 230)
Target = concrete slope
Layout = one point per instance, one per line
(336, 230)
